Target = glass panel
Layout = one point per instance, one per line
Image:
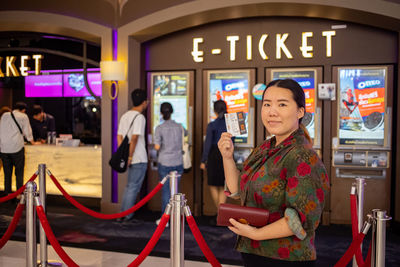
(361, 106)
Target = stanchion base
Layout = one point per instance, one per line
(50, 264)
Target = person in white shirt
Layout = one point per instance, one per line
(137, 160)
(12, 133)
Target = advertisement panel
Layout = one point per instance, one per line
(43, 86)
(172, 88)
(362, 105)
(232, 87)
(62, 85)
(74, 84)
(307, 80)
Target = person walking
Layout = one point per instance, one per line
(14, 127)
(168, 142)
(137, 160)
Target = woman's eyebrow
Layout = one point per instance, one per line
(279, 100)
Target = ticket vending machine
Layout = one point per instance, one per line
(308, 78)
(234, 87)
(177, 89)
(361, 143)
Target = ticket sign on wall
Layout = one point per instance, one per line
(307, 80)
(232, 87)
(361, 106)
(172, 88)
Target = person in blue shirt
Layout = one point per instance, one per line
(211, 158)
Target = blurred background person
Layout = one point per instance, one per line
(168, 139)
(3, 110)
(211, 158)
(42, 123)
(14, 127)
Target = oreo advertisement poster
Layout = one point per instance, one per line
(306, 79)
(362, 106)
(233, 88)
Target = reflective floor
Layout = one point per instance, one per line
(14, 252)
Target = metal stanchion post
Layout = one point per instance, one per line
(360, 201)
(380, 245)
(42, 196)
(30, 193)
(173, 182)
(43, 240)
(177, 230)
(360, 183)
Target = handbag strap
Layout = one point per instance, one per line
(15, 120)
(130, 126)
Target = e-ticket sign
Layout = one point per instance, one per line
(362, 104)
(233, 88)
(307, 80)
(172, 88)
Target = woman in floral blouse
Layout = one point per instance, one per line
(283, 175)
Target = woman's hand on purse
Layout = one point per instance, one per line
(225, 145)
(243, 229)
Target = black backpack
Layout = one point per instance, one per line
(119, 159)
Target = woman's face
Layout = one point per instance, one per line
(280, 113)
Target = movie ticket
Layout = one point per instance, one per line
(235, 123)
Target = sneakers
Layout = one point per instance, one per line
(158, 222)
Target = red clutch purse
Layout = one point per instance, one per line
(248, 215)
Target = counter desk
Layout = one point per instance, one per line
(77, 169)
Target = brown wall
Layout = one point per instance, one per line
(353, 45)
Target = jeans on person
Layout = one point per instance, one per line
(11, 160)
(166, 192)
(136, 174)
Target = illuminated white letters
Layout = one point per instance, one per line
(10, 67)
(232, 40)
(196, 53)
(12, 71)
(280, 45)
(249, 46)
(305, 49)
(23, 68)
(261, 46)
(38, 63)
(328, 35)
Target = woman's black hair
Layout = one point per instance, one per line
(294, 87)
(220, 108)
(166, 110)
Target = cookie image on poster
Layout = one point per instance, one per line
(373, 121)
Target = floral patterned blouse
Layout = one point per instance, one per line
(290, 181)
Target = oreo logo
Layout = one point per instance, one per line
(367, 84)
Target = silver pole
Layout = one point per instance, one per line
(380, 237)
(173, 182)
(177, 230)
(360, 183)
(42, 196)
(373, 239)
(360, 202)
(31, 257)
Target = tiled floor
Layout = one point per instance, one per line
(13, 254)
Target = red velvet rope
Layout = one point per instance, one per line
(13, 225)
(53, 241)
(350, 251)
(101, 215)
(152, 242)
(202, 243)
(18, 192)
(354, 227)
